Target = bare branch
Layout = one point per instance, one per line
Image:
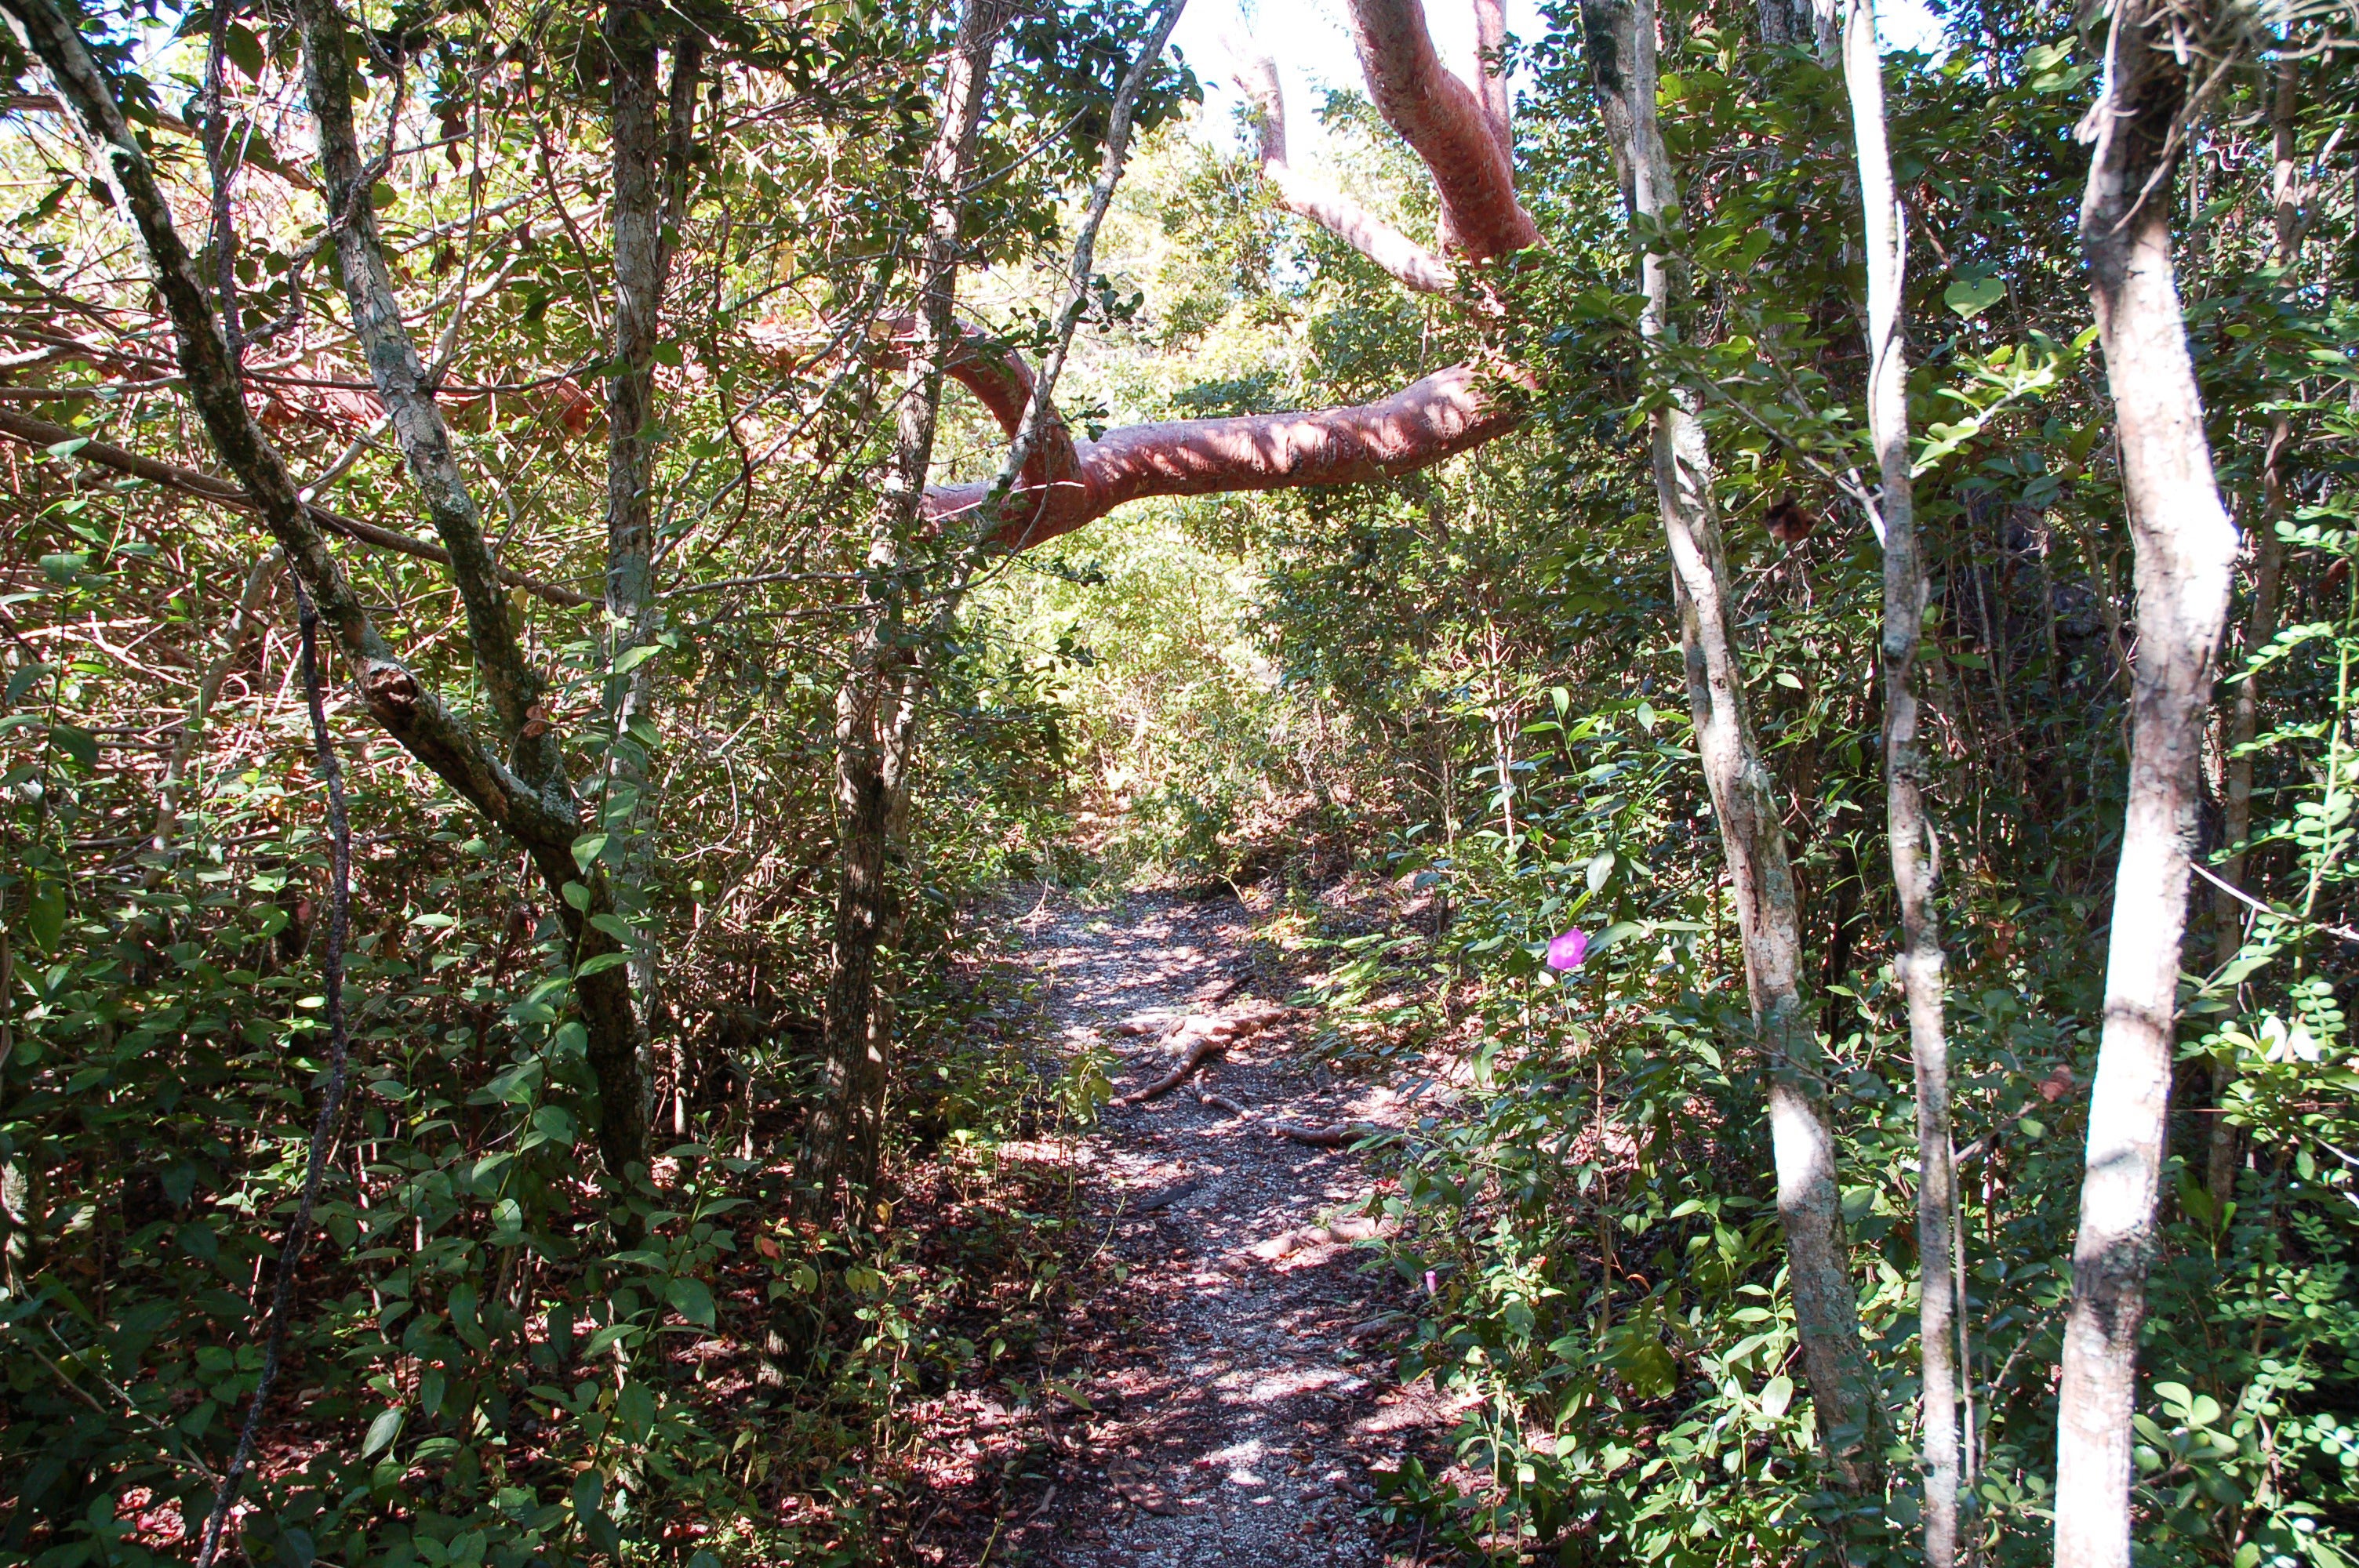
(212, 487)
(1306, 196)
(396, 698)
(399, 374)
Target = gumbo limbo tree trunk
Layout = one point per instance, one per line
(514, 773)
(1908, 827)
(2186, 552)
(1620, 38)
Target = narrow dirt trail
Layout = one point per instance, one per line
(1240, 1389)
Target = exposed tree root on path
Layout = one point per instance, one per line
(1202, 1036)
(1342, 1135)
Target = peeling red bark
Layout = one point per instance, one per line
(1450, 411)
(1446, 123)
(1308, 196)
(1490, 38)
(1462, 138)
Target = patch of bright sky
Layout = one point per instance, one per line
(1313, 51)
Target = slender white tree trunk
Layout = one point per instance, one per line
(2186, 553)
(1621, 41)
(1908, 827)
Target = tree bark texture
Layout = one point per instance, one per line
(1621, 40)
(518, 690)
(650, 165)
(2186, 552)
(1909, 826)
(840, 1138)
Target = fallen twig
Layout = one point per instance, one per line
(1342, 1135)
(1202, 1036)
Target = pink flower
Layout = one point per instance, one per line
(1567, 951)
(1429, 1290)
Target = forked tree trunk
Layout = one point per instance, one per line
(1621, 40)
(2260, 625)
(2186, 553)
(516, 688)
(874, 773)
(1909, 829)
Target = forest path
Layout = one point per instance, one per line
(1241, 1391)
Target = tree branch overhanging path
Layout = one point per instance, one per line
(1466, 149)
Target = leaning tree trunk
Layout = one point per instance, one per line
(1621, 40)
(1909, 829)
(841, 1135)
(2260, 625)
(2186, 553)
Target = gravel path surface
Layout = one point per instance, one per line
(1241, 1387)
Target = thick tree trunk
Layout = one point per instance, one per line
(1621, 39)
(2260, 626)
(2186, 554)
(1908, 827)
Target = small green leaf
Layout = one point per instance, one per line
(691, 1300)
(23, 681)
(587, 848)
(382, 1431)
(77, 743)
(1776, 1395)
(245, 50)
(64, 565)
(614, 925)
(45, 915)
(1971, 297)
(636, 1407)
(576, 895)
(600, 964)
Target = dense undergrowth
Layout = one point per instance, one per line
(1468, 686)
(1459, 692)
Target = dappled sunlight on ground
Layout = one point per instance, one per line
(1236, 1388)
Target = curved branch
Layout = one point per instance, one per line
(1450, 411)
(1306, 196)
(1441, 117)
(41, 434)
(1490, 71)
